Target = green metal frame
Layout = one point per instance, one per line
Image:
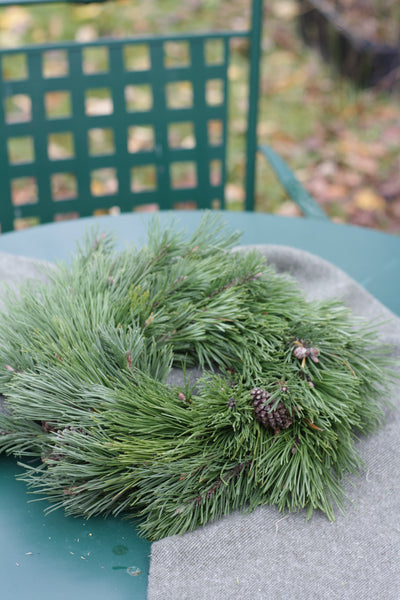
(292, 185)
(48, 186)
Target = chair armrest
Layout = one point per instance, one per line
(291, 184)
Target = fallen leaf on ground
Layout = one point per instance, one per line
(390, 189)
(286, 9)
(325, 191)
(368, 199)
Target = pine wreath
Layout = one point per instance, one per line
(287, 384)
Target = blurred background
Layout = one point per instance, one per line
(339, 133)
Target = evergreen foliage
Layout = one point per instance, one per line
(84, 364)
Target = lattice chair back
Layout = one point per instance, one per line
(140, 130)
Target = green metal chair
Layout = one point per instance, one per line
(40, 106)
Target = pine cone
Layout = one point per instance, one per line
(301, 352)
(231, 402)
(271, 419)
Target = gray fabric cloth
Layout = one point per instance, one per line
(270, 556)
(16, 269)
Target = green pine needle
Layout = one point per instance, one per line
(84, 366)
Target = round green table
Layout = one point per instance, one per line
(53, 557)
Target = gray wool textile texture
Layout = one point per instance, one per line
(270, 556)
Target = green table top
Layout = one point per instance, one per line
(55, 557)
(370, 257)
